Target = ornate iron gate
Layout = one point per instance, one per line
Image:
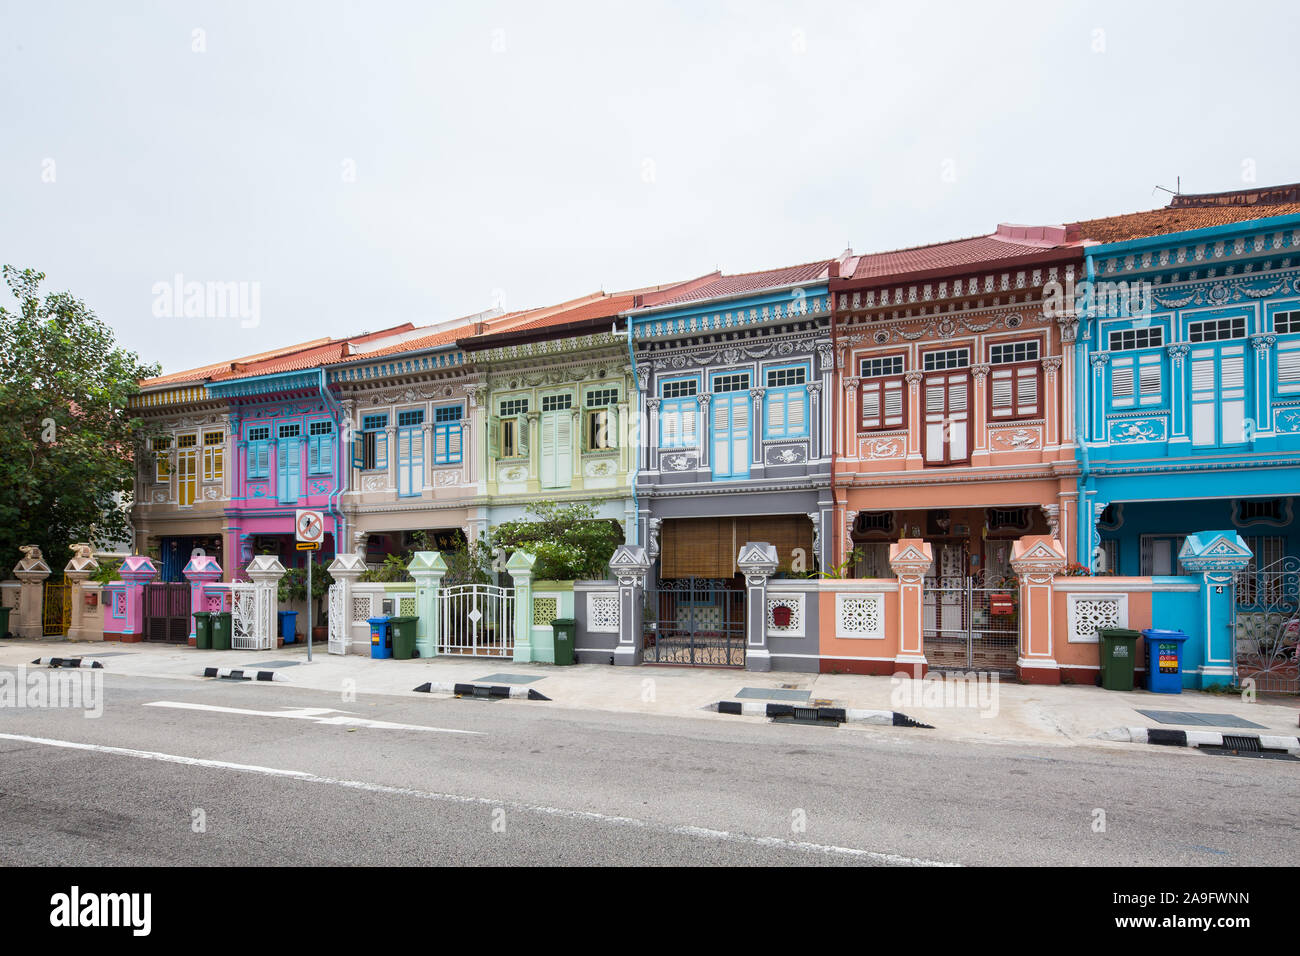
(167, 612)
(698, 621)
(476, 620)
(972, 623)
(56, 616)
(1266, 624)
(252, 616)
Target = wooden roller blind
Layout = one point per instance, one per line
(707, 547)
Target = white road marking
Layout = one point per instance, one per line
(587, 815)
(315, 714)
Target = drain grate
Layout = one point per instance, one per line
(1247, 744)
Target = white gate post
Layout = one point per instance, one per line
(629, 564)
(428, 568)
(265, 570)
(344, 569)
(757, 562)
(520, 567)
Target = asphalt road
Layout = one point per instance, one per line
(538, 784)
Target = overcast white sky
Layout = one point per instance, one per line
(369, 163)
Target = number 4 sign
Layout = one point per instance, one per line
(310, 526)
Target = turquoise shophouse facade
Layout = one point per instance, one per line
(1189, 394)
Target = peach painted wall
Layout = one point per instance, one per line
(881, 651)
(1138, 592)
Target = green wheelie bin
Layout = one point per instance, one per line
(1118, 651)
(221, 631)
(565, 630)
(203, 630)
(402, 630)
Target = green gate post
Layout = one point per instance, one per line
(520, 567)
(1215, 557)
(428, 568)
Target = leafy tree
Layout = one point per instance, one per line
(67, 437)
(569, 542)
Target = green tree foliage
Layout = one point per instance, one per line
(569, 542)
(66, 435)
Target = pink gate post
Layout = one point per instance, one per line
(124, 616)
(1037, 559)
(910, 558)
(200, 572)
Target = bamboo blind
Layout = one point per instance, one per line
(707, 547)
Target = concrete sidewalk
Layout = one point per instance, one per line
(1005, 713)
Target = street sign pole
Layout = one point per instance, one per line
(309, 527)
(311, 559)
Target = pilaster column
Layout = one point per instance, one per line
(428, 569)
(1051, 401)
(1037, 559)
(1215, 557)
(265, 571)
(756, 426)
(848, 426)
(390, 440)
(980, 376)
(534, 443)
(648, 441)
(704, 430)
(757, 561)
(814, 420)
(915, 414)
(629, 564)
(426, 431)
(850, 519)
(910, 559)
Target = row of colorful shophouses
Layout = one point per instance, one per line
(973, 454)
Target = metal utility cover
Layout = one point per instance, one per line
(1199, 720)
(270, 664)
(771, 693)
(508, 679)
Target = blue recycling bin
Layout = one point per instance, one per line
(381, 643)
(1164, 660)
(288, 625)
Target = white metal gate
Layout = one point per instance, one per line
(252, 624)
(476, 620)
(338, 621)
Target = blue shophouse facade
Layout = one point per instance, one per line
(1189, 394)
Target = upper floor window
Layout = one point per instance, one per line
(786, 402)
(320, 447)
(1136, 380)
(290, 431)
(942, 361)
(733, 382)
(259, 451)
(408, 419)
(370, 448)
(447, 437)
(679, 413)
(556, 403)
(1008, 353)
(214, 449)
(1150, 337)
(884, 393)
(1014, 381)
(514, 406)
(1288, 367)
(1214, 330)
(601, 397)
(600, 429)
(162, 459)
(1286, 322)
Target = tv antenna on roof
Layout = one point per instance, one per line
(1176, 191)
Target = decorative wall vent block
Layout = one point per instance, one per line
(860, 616)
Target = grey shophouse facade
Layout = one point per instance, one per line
(733, 380)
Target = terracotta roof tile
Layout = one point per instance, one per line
(728, 285)
(1160, 222)
(206, 371)
(947, 255)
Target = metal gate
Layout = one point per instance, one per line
(167, 612)
(972, 623)
(56, 615)
(698, 621)
(252, 616)
(1266, 624)
(476, 620)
